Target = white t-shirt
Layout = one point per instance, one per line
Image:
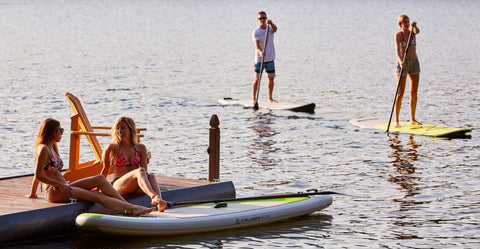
(259, 34)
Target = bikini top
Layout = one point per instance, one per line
(413, 42)
(121, 161)
(54, 163)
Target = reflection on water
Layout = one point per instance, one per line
(286, 232)
(263, 145)
(406, 176)
(404, 156)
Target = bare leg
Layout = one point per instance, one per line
(271, 82)
(55, 196)
(109, 202)
(414, 81)
(399, 97)
(157, 199)
(100, 182)
(131, 181)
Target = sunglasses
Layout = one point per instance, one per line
(262, 18)
(61, 130)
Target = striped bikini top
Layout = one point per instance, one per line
(413, 42)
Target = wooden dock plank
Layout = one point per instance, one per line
(13, 192)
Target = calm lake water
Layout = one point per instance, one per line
(166, 63)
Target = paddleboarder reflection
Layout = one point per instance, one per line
(405, 171)
(264, 144)
(406, 176)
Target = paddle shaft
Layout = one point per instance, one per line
(255, 106)
(399, 79)
(171, 204)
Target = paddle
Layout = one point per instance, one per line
(255, 106)
(261, 197)
(399, 78)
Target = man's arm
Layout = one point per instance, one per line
(273, 26)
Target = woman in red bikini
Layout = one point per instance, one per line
(128, 158)
(47, 171)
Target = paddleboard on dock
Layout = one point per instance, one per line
(406, 127)
(308, 108)
(205, 217)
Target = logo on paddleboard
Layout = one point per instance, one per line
(252, 219)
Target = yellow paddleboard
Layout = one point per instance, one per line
(406, 127)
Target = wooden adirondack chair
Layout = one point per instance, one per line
(81, 126)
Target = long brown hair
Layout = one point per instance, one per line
(46, 133)
(116, 139)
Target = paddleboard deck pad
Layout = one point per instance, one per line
(308, 108)
(406, 127)
(204, 217)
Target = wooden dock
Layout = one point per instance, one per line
(26, 218)
(13, 192)
(23, 218)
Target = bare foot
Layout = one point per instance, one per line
(254, 101)
(138, 210)
(272, 101)
(161, 204)
(415, 122)
(397, 125)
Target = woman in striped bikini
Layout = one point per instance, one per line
(410, 67)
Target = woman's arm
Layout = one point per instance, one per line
(33, 192)
(106, 160)
(415, 29)
(43, 159)
(398, 47)
(142, 150)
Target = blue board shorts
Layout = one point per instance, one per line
(269, 68)
(411, 67)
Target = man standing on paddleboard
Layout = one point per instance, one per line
(264, 54)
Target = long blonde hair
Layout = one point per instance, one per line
(46, 133)
(116, 139)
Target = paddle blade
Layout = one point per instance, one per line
(255, 107)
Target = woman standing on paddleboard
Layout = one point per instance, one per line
(409, 66)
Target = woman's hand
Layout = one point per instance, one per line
(66, 189)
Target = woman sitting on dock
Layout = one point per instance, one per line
(128, 158)
(49, 164)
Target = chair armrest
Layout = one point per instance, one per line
(109, 127)
(89, 133)
(102, 127)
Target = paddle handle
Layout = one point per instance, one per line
(399, 78)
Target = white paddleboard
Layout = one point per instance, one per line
(205, 217)
(308, 108)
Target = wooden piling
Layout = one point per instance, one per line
(214, 150)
